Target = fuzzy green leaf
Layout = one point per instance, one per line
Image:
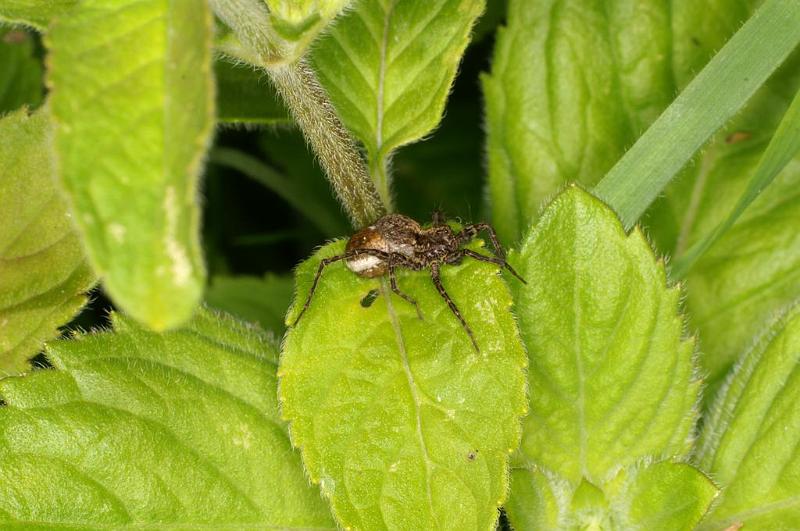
(784, 145)
(751, 442)
(537, 500)
(20, 71)
(668, 495)
(34, 13)
(388, 67)
(399, 419)
(43, 272)
(575, 83)
(718, 92)
(132, 98)
(753, 270)
(260, 300)
(662, 495)
(612, 377)
(136, 429)
(244, 96)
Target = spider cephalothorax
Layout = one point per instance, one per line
(398, 241)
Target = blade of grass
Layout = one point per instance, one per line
(715, 94)
(785, 144)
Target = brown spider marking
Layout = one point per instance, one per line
(396, 241)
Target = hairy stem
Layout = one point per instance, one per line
(337, 151)
(249, 19)
(311, 108)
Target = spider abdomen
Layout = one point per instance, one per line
(391, 234)
(367, 266)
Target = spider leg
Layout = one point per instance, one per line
(438, 218)
(388, 257)
(325, 262)
(472, 230)
(437, 281)
(393, 282)
(491, 259)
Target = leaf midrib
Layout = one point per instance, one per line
(412, 386)
(381, 80)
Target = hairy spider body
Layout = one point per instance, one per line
(398, 241)
(392, 234)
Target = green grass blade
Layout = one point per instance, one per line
(785, 144)
(716, 94)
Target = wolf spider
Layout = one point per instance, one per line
(398, 241)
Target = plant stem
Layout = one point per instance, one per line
(380, 177)
(311, 108)
(249, 19)
(337, 151)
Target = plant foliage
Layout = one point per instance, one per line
(643, 169)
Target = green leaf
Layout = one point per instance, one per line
(20, 71)
(548, 126)
(785, 145)
(388, 68)
(244, 96)
(661, 495)
(399, 419)
(260, 300)
(42, 266)
(575, 83)
(710, 100)
(35, 13)
(537, 499)
(612, 375)
(572, 85)
(136, 429)
(296, 23)
(132, 96)
(753, 270)
(751, 442)
(669, 495)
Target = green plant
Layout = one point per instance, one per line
(617, 389)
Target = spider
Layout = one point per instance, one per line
(396, 241)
